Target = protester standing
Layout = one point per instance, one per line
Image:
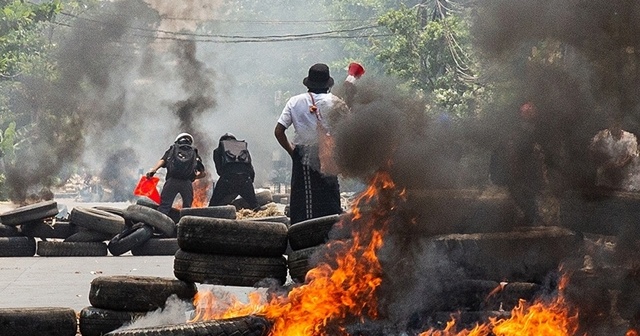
(233, 164)
(184, 166)
(313, 193)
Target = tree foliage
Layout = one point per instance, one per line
(426, 44)
(22, 42)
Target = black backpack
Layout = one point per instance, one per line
(182, 162)
(234, 151)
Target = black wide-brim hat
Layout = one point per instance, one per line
(319, 77)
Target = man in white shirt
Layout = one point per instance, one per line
(615, 152)
(314, 193)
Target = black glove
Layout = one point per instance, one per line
(150, 174)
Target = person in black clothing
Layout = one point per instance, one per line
(236, 173)
(177, 182)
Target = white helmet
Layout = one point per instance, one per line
(184, 135)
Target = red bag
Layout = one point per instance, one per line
(147, 187)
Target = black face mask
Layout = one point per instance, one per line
(183, 141)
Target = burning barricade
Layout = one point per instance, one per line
(353, 284)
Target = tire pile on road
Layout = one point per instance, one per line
(119, 300)
(89, 231)
(305, 238)
(219, 249)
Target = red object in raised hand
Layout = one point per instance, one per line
(147, 187)
(356, 70)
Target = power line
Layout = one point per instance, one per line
(249, 39)
(155, 31)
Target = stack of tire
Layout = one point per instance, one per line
(91, 228)
(305, 238)
(19, 228)
(230, 251)
(118, 300)
(147, 231)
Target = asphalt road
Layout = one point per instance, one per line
(65, 281)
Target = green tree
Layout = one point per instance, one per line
(424, 43)
(23, 47)
(24, 52)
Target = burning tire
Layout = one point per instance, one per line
(9, 231)
(311, 232)
(40, 229)
(137, 293)
(527, 254)
(464, 319)
(222, 211)
(88, 236)
(96, 220)
(511, 294)
(245, 326)
(17, 246)
(29, 213)
(229, 270)
(174, 213)
(142, 214)
(46, 321)
(129, 238)
(97, 321)
(156, 246)
(298, 262)
(71, 249)
(464, 295)
(236, 237)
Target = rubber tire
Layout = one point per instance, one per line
(97, 220)
(71, 249)
(137, 293)
(311, 232)
(113, 210)
(143, 214)
(221, 211)
(234, 237)
(41, 321)
(156, 247)
(9, 231)
(97, 321)
(29, 213)
(40, 229)
(239, 326)
(88, 236)
(273, 219)
(174, 213)
(298, 262)
(17, 246)
(229, 270)
(129, 238)
(264, 197)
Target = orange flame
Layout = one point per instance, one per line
(200, 192)
(344, 287)
(554, 318)
(335, 292)
(631, 332)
